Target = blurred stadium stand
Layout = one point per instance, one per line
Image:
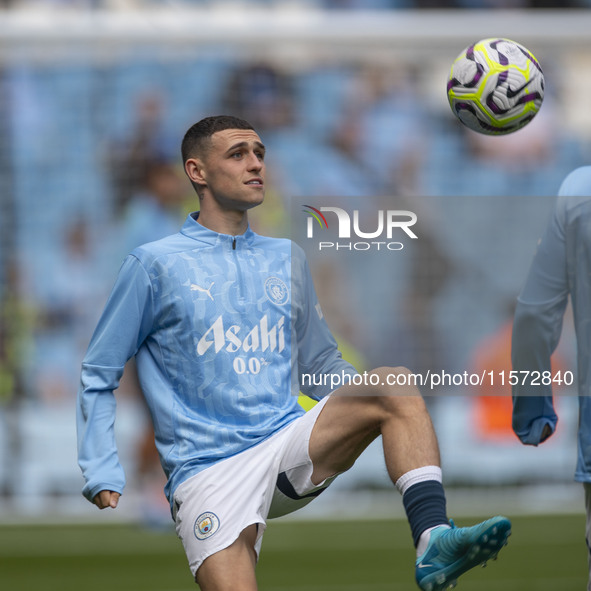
(351, 103)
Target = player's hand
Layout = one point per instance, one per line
(106, 498)
(546, 432)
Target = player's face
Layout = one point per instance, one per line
(233, 169)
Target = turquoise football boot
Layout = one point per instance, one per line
(453, 551)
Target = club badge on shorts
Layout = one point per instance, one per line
(206, 525)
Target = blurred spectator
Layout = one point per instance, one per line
(128, 158)
(367, 4)
(341, 167)
(66, 310)
(16, 322)
(415, 281)
(155, 208)
(392, 126)
(262, 94)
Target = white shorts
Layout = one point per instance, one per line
(271, 479)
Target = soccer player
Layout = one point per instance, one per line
(561, 267)
(223, 323)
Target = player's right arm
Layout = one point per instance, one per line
(537, 326)
(124, 324)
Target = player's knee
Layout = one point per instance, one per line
(394, 381)
(397, 393)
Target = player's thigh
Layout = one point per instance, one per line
(343, 430)
(233, 568)
(354, 416)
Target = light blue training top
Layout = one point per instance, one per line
(222, 328)
(561, 267)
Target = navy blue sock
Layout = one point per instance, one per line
(424, 503)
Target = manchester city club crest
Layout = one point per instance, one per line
(276, 290)
(206, 525)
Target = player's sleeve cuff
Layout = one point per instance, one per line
(534, 435)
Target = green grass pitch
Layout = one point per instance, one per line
(544, 553)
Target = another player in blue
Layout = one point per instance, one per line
(561, 268)
(223, 323)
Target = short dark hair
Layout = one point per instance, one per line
(197, 136)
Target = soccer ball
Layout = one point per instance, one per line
(495, 86)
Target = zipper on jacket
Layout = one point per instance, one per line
(238, 271)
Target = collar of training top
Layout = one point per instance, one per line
(193, 229)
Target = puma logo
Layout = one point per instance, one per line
(195, 287)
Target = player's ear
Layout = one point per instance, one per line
(195, 171)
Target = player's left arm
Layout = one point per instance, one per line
(318, 352)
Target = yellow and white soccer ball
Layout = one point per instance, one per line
(495, 86)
